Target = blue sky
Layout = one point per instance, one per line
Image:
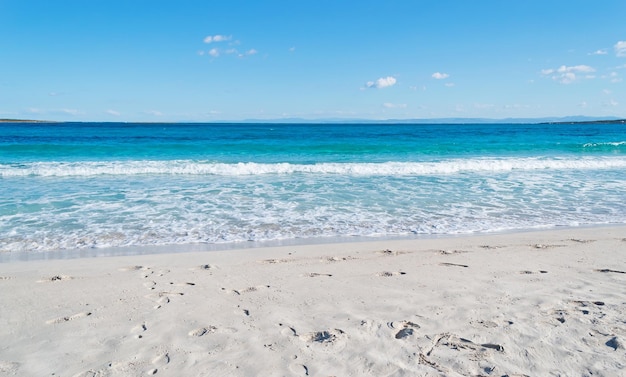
(234, 60)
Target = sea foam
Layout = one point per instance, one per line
(190, 167)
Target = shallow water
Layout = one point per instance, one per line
(68, 186)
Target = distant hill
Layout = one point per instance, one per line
(23, 121)
(545, 120)
(615, 121)
(568, 119)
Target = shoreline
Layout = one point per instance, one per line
(139, 250)
(547, 302)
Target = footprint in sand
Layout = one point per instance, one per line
(163, 297)
(326, 336)
(299, 369)
(451, 252)
(150, 284)
(246, 290)
(6, 277)
(288, 330)
(405, 328)
(453, 265)
(580, 240)
(404, 333)
(587, 307)
(145, 271)
(457, 343)
(201, 331)
(135, 268)
(186, 284)
(55, 278)
(315, 274)
(491, 247)
(138, 330)
(577, 307)
(170, 294)
(387, 274)
(160, 361)
(276, 261)
(544, 246)
(388, 252)
(206, 267)
(68, 318)
(609, 270)
(335, 259)
(485, 324)
(559, 315)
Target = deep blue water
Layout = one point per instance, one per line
(84, 185)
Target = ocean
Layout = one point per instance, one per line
(76, 186)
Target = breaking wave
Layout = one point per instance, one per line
(190, 167)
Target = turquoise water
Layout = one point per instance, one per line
(86, 185)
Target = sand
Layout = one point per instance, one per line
(548, 303)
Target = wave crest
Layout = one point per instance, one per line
(189, 167)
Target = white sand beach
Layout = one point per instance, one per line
(546, 303)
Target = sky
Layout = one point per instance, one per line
(233, 60)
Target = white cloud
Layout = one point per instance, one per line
(440, 76)
(65, 111)
(620, 48)
(611, 103)
(576, 68)
(599, 52)
(216, 52)
(292, 49)
(394, 105)
(567, 75)
(449, 84)
(382, 82)
(113, 112)
(70, 111)
(217, 38)
(515, 106)
(583, 104)
(612, 77)
(567, 78)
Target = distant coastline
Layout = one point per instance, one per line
(614, 121)
(561, 120)
(25, 121)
